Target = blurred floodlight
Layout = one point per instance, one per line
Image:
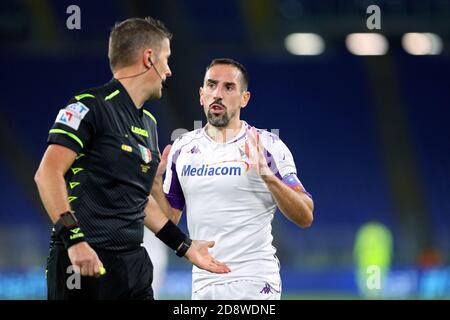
(422, 43)
(304, 44)
(367, 44)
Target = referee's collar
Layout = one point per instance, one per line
(125, 97)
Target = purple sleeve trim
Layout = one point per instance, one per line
(271, 163)
(175, 195)
(175, 201)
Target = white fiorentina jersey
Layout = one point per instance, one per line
(227, 202)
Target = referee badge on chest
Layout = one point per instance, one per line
(146, 154)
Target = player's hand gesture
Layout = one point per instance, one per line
(255, 152)
(198, 254)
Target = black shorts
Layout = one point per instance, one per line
(128, 275)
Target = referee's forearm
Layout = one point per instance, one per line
(155, 218)
(53, 192)
(160, 198)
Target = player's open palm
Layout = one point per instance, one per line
(199, 255)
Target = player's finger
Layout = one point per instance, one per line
(166, 151)
(251, 145)
(250, 136)
(221, 265)
(257, 139)
(219, 269)
(211, 244)
(249, 133)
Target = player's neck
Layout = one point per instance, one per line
(224, 134)
(133, 85)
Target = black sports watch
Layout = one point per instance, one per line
(68, 219)
(68, 230)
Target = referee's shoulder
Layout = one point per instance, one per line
(92, 97)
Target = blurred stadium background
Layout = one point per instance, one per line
(369, 129)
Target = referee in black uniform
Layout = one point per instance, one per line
(96, 176)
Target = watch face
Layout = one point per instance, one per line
(69, 220)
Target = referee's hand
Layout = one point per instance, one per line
(85, 260)
(198, 254)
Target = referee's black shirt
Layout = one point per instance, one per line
(118, 155)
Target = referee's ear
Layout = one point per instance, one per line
(147, 58)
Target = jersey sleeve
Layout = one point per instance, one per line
(278, 156)
(172, 186)
(75, 124)
(281, 162)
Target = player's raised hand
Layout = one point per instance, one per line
(254, 149)
(163, 162)
(198, 254)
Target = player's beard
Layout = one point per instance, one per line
(219, 121)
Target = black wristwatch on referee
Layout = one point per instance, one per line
(68, 230)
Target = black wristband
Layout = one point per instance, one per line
(68, 230)
(184, 247)
(171, 235)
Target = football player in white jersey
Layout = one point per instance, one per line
(231, 178)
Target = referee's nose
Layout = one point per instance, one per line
(168, 72)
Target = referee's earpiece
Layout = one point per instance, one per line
(157, 72)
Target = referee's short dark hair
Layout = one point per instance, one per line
(239, 66)
(128, 37)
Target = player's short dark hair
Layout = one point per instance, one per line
(128, 37)
(239, 66)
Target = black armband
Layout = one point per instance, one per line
(174, 238)
(68, 230)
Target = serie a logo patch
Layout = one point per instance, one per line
(68, 118)
(72, 115)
